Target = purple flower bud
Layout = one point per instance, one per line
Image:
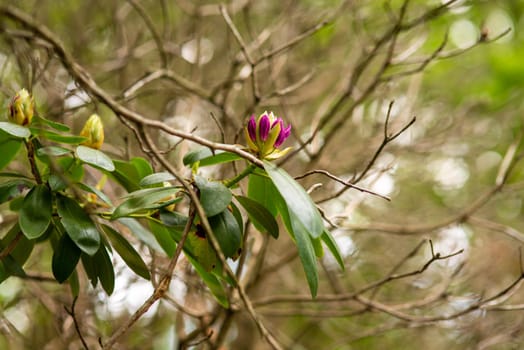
(283, 135)
(263, 127)
(252, 128)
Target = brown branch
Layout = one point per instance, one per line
(87, 82)
(385, 141)
(75, 321)
(345, 183)
(349, 296)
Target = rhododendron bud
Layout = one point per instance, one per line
(93, 131)
(21, 108)
(265, 134)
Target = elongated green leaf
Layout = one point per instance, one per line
(90, 268)
(156, 178)
(214, 196)
(206, 157)
(330, 242)
(202, 249)
(54, 151)
(304, 244)
(23, 248)
(163, 237)
(11, 265)
(305, 248)
(78, 225)
(145, 199)
(262, 190)
(127, 252)
(36, 211)
(238, 215)
(141, 233)
(94, 157)
(317, 246)
(9, 148)
(65, 259)
(15, 130)
(105, 270)
(227, 232)
(50, 123)
(143, 167)
(301, 207)
(173, 219)
(56, 137)
(126, 175)
(96, 191)
(71, 168)
(261, 217)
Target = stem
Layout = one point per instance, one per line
(31, 156)
(248, 170)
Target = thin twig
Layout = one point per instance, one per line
(339, 180)
(75, 321)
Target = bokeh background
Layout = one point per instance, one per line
(336, 70)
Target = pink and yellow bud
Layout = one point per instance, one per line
(265, 134)
(21, 108)
(93, 131)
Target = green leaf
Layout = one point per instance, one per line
(173, 219)
(163, 237)
(65, 259)
(306, 251)
(36, 211)
(11, 265)
(23, 248)
(95, 157)
(95, 191)
(212, 282)
(78, 225)
(261, 217)
(303, 240)
(90, 268)
(15, 130)
(156, 178)
(143, 167)
(237, 214)
(202, 249)
(206, 157)
(54, 151)
(330, 242)
(227, 232)
(301, 207)
(263, 191)
(100, 268)
(59, 138)
(214, 196)
(50, 123)
(126, 175)
(105, 270)
(9, 148)
(145, 199)
(127, 252)
(317, 246)
(71, 167)
(140, 232)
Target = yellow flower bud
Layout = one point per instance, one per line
(21, 108)
(94, 132)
